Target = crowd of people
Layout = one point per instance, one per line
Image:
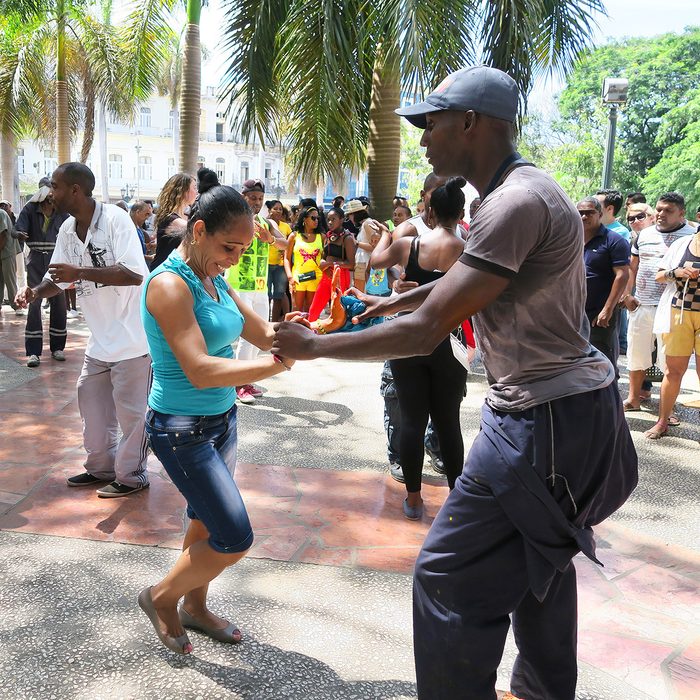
(168, 288)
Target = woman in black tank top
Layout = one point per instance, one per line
(432, 386)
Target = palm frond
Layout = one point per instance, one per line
(566, 31)
(101, 51)
(509, 31)
(435, 38)
(146, 37)
(319, 59)
(26, 81)
(250, 43)
(26, 10)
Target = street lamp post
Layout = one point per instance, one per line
(278, 189)
(614, 94)
(127, 193)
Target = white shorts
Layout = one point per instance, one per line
(640, 340)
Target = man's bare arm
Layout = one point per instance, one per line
(462, 292)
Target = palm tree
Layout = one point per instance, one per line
(88, 63)
(191, 89)
(325, 78)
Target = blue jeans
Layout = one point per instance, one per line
(199, 455)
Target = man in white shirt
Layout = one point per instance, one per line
(647, 253)
(96, 250)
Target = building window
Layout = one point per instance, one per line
(171, 120)
(114, 167)
(219, 131)
(268, 171)
(145, 168)
(145, 118)
(201, 162)
(171, 167)
(20, 161)
(50, 162)
(221, 170)
(245, 171)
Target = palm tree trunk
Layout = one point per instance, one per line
(8, 164)
(102, 146)
(89, 125)
(62, 126)
(176, 131)
(191, 93)
(384, 148)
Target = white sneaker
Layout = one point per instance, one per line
(58, 355)
(33, 361)
(19, 312)
(73, 313)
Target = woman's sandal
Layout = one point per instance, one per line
(673, 421)
(655, 433)
(628, 406)
(181, 644)
(230, 634)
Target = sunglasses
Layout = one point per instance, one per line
(637, 217)
(313, 218)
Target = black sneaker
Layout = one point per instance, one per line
(436, 461)
(396, 472)
(84, 479)
(117, 490)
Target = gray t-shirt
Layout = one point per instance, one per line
(533, 337)
(650, 247)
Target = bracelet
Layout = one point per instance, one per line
(671, 274)
(280, 361)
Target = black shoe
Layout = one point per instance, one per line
(396, 472)
(436, 461)
(117, 490)
(84, 479)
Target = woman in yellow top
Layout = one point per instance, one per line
(302, 259)
(276, 275)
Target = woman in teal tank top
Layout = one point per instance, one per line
(191, 317)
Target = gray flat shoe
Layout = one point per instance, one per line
(181, 644)
(224, 634)
(412, 512)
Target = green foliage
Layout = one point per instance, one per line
(302, 71)
(413, 163)
(679, 167)
(662, 73)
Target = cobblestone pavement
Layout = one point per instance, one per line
(324, 598)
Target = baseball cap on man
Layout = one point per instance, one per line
(253, 185)
(479, 88)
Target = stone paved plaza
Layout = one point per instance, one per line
(324, 599)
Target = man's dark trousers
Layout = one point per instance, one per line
(533, 484)
(34, 332)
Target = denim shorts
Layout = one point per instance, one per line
(199, 455)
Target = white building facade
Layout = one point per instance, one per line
(143, 155)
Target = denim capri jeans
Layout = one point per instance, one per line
(199, 455)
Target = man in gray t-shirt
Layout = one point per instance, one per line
(554, 454)
(545, 354)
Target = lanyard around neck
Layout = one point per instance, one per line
(513, 159)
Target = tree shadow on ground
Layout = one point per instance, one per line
(272, 412)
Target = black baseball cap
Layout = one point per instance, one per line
(479, 88)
